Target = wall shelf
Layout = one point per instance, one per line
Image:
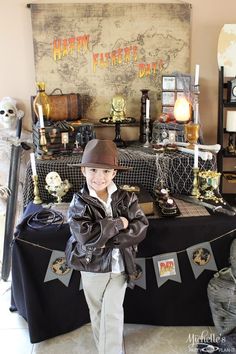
(227, 175)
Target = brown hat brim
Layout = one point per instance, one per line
(118, 168)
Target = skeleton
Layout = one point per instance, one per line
(8, 113)
(55, 186)
(9, 116)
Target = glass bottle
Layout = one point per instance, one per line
(42, 99)
(144, 97)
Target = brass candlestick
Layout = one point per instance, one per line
(37, 199)
(195, 191)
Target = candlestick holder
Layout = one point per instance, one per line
(43, 140)
(196, 93)
(142, 134)
(37, 199)
(195, 191)
(147, 132)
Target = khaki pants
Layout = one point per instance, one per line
(104, 293)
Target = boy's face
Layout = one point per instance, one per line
(98, 178)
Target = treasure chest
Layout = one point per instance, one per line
(62, 106)
(61, 138)
(167, 132)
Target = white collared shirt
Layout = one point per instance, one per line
(117, 261)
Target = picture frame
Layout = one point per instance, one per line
(168, 83)
(168, 98)
(183, 83)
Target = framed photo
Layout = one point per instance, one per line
(231, 90)
(168, 98)
(183, 83)
(168, 83)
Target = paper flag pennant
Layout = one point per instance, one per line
(166, 267)
(142, 280)
(58, 269)
(201, 257)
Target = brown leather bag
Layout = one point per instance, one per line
(64, 106)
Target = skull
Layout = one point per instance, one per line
(8, 113)
(53, 179)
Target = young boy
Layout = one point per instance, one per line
(106, 225)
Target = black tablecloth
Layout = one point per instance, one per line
(51, 308)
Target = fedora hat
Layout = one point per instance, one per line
(101, 154)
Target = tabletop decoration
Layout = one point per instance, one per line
(37, 199)
(209, 186)
(56, 187)
(117, 117)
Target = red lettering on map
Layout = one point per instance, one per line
(149, 69)
(115, 57)
(69, 46)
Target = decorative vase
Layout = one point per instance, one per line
(42, 99)
(144, 97)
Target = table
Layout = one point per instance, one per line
(51, 308)
(148, 169)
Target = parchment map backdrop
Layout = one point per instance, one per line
(99, 50)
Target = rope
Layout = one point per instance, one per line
(184, 250)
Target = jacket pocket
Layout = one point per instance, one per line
(88, 259)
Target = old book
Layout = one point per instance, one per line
(146, 201)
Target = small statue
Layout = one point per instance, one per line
(55, 186)
(118, 108)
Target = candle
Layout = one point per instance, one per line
(195, 156)
(196, 80)
(147, 108)
(40, 111)
(33, 164)
(196, 113)
(231, 121)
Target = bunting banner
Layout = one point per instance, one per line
(57, 268)
(201, 257)
(166, 267)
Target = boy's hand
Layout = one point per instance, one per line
(125, 222)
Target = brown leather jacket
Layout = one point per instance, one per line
(91, 229)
